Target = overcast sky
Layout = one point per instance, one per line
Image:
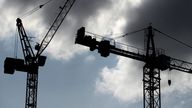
(74, 77)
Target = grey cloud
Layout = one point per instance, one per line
(169, 16)
(81, 10)
(21, 5)
(77, 17)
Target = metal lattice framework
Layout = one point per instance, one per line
(151, 87)
(155, 61)
(31, 62)
(55, 26)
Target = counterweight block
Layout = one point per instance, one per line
(163, 62)
(80, 35)
(9, 66)
(41, 60)
(104, 48)
(12, 64)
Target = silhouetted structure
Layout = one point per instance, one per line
(155, 61)
(31, 61)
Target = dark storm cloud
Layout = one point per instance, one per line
(21, 5)
(77, 17)
(81, 10)
(170, 16)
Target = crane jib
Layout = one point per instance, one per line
(54, 27)
(104, 47)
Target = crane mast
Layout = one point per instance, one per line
(151, 75)
(32, 74)
(32, 61)
(155, 61)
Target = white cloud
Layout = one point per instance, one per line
(136, 3)
(8, 23)
(90, 58)
(63, 49)
(109, 20)
(1, 2)
(181, 82)
(60, 48)
(106, 21)
(122, 81)
(33, 26)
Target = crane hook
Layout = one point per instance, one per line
(169, 82)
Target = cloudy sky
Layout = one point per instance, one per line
(74, 77)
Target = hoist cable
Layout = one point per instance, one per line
(120, 36)
(97, 35)
(35, 9)
(169, 36)
(15, 44)
(133, 32)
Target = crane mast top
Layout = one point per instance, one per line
(25, 43)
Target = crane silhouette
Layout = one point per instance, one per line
(32, 61)
(155, 61)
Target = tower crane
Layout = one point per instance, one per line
(31, 62)
(155, 61)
